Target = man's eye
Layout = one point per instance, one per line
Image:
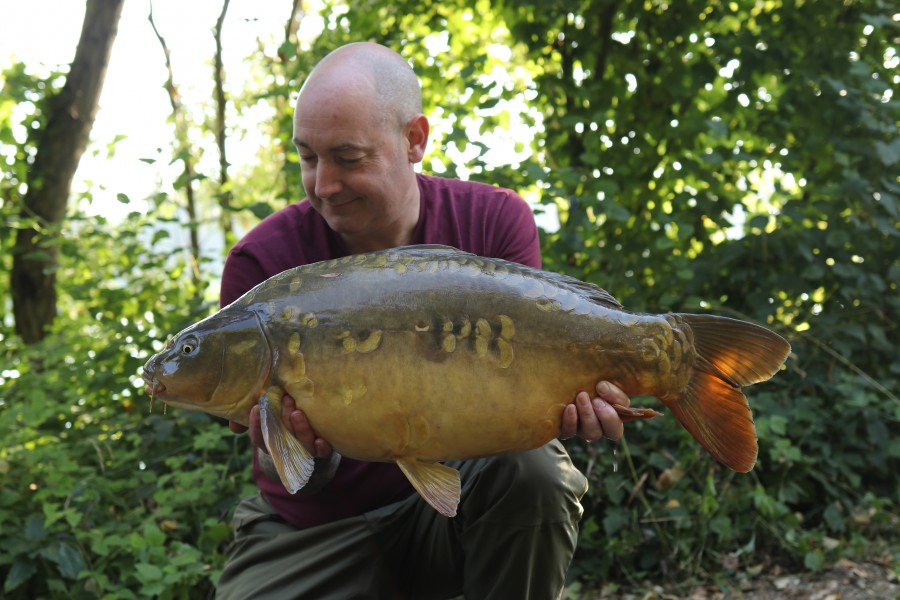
(307, 159)
(350, 161)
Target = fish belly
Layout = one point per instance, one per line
(401, 404)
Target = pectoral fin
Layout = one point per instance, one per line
(293, 462)
(437, 484)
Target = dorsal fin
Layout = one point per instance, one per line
(413, 247)
(594, 292)
(576, 286)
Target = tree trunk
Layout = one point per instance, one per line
(60, 144)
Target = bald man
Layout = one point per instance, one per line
(358, 530)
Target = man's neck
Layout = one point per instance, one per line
(399, 233)
(370, 244)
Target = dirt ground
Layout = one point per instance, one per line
(847, 580)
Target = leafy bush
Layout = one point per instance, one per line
(824, 488)
(98, 498)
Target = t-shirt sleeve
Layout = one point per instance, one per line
(242, 272)
(516, 236)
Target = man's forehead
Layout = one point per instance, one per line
(336, 130)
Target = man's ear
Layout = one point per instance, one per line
(417, 138)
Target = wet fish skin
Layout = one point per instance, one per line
(422, 354)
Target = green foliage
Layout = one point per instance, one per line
(23, 91)
(99, 498)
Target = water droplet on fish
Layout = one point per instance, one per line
(615, 460)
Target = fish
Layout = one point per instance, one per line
(422, 354)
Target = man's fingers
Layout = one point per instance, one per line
(255, 429)
(323, 448)
(612, 394)
(288, 408)
(609, 420)
(304, 432)
(569, 426)
(589, 427)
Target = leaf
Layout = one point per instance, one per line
(616, 519)
(877, 20)
(758, 222)
(123, 198)
(888, 153)
(776, 424)
(834, 517)
(534, 171)
(20, 572)
(68, 560)
(148, 573)
(159, 234)
(814, 561)
(260, 210)
(615, 212)
(153, 535)
(34, 528)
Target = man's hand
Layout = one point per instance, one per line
(326, 459)
(592, 419)
(296, 422)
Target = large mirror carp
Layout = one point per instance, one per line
(422, 354)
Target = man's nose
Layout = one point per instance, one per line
(328, 181)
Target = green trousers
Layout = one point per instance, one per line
(512, 539)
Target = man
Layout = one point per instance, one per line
(357, 529)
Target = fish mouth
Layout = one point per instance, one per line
(155, 388)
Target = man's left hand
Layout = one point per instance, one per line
(592, 419)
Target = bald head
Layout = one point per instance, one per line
(374, 71)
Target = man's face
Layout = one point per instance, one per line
(355, 168)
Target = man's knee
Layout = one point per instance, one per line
(542, 483)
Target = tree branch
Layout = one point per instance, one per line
(182, 150)
(224, 194)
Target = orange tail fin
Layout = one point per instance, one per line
(730, 354)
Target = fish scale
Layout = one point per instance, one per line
(424, 354)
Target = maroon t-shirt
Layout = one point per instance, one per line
(474, 217)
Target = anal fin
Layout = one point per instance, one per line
(629, 413)
(292, 461)
(439, 485)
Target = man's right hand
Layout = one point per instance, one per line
(296, 422)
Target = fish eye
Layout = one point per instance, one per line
(188, 346)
